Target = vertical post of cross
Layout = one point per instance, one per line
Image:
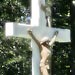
(38, 19)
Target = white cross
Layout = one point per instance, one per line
(38, 26)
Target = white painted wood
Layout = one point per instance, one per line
(38, 26)
(35, 59)
(20, 30)
(38, 16)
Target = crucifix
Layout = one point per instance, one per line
(40, 30)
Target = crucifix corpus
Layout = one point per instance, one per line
(42, 37)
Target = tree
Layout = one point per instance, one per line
(61, 54)
(15, 52)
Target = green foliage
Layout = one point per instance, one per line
(61, 13)
(15, 54)
(61, 59)
(61, 54)
(12, 10)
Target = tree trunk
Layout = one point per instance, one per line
(72, 38)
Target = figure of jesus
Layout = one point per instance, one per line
(46, 52)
